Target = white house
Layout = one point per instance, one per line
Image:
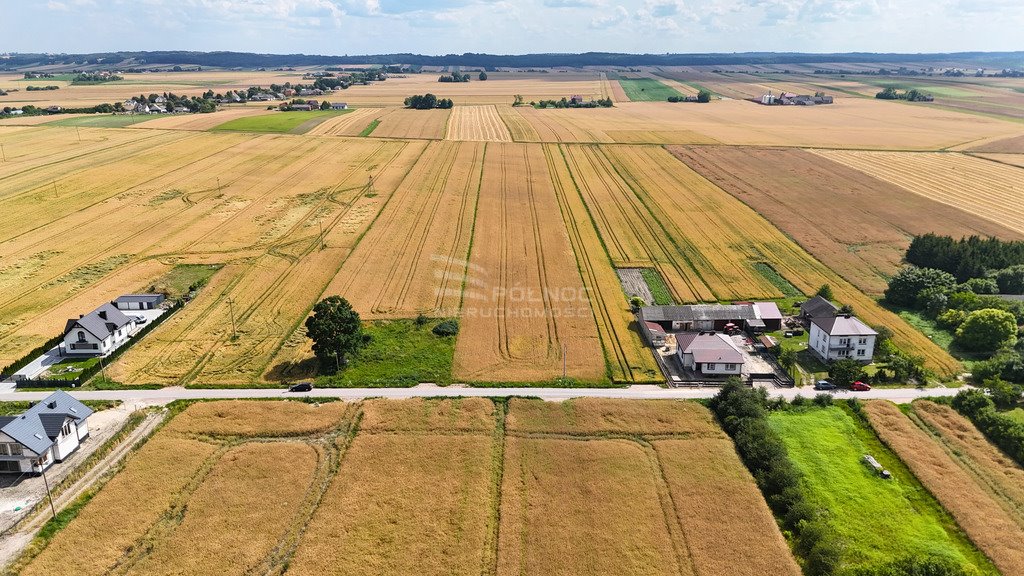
(840, 337)
(712, 354)
(47, 432)
(97, 333)
(339, 106)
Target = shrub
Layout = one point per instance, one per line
(981, 286)
(910, 281)
(1011, 280)
(446, 328)
(987, 330)
(824, 399)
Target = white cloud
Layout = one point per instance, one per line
(616, 16)
(571, 3)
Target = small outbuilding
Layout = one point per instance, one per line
(139, 301)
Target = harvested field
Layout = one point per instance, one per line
(549, 521)
(1013, 159)
(974, 185)
(987, 524)
(801, 193)
(479, 123)
(525, 304)
(520, 129)
(403, 504)
(103, 532)
(710, 487)
(417, 124)
(426, 230)
(988, 463)
(421, 415)
(1013, 145)
(628, 358)
(259, 418)
(36, 120)
(350, 124)
(599, 416)
(236, 517)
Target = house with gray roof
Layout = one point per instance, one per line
(841, 337)
(97, 333)
(709, 353)
(817, 307)
(49, 431)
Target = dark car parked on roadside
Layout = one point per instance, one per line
(301, 387)
(824, 385)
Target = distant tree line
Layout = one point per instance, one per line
(970, 257)
(455, 77)
(704, 95)
(427, 102)
(912, 95)
(489, 61)
(41, 88)
(95, 78)
(567, 103)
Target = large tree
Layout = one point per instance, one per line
(910, 281)
(987, 330)
(336, 332)
(845, 372)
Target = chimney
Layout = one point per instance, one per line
(102, 314)
(52, 405)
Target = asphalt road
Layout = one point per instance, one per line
(164, 395)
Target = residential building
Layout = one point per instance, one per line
(47, 432)
(339, 106)
(841, 337)
(139, 301)
(709, 353)
(97, 333)
(751, 316)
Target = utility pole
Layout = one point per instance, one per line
(231, 307)
(3, 153)
(322, 243)
(563, 361)
(42, 470)
(54, 188)
(79, 133)
(218, 186)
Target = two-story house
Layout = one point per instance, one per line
(841, 337)
(48, 432)
(97, 333)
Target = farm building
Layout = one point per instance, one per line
(47, 432)
(817, 307)
(752, 316)
(841, 337)
(139, 301)
(655, 333)
(711, 354)
(96, 333)
(339, 106)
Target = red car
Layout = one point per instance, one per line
(859, 386)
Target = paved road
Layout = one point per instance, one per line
(164, 395)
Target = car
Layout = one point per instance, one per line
(301, 387)
(141, 320)
(859, 386)
(824, 385)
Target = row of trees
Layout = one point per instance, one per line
(912, 95)
(703, 96)
(85, 78)
(980, 322)
(457, 77)
(566, 103)
(427, 101)
(970, 257)
(41, 88)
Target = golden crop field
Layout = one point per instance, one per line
(429, 486)
(258, 418)
(992, 529)
(525, 310)
(989, 464)
(974, 185)
(425, 230)
(406, 123)
(350, 124)
(480, 123)
(200, 122)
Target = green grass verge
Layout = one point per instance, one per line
(370, 128)
(656, 284)
(399, 354)
(104, 120)
(647, 90)
(178, 279)
(18, 406)
(770, 274)
(277, 122)
(877, 520)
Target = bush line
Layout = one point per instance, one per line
(1001, 430)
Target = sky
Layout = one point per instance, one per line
(340, 27)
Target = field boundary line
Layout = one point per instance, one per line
(493, 536)
(669, 510)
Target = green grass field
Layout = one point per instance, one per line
(399, 354)
(279, 122)
(877, 520)
(178, 280)
(370, 128)
(104, 120)
(647, 90)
